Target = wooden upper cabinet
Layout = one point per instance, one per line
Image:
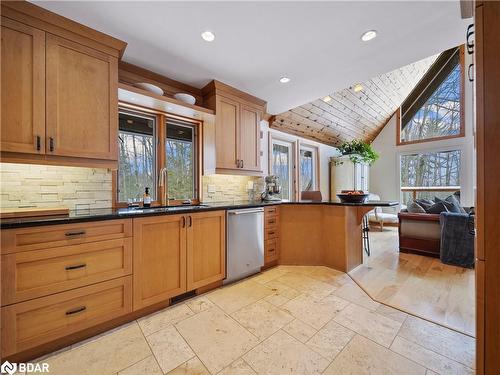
(159, 259)
(206, 248)
(237, 131)
(23, 88)
(82, 101)
(226, 133)
(250, 138)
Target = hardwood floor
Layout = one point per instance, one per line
(416, 284)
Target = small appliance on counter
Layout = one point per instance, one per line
(272, 190)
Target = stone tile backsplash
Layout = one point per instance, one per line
(24, 185)
(220, 188)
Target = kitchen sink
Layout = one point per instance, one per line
(139, 210)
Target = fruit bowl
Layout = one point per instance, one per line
(353, 196)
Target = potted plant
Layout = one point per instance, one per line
(359, 151)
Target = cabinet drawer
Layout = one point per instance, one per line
(271, 250)
(23, 239)
(271, 221)
(270, 233)
(271, 211)
(33, 274)
(32, 323)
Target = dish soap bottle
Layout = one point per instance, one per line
(146, 201)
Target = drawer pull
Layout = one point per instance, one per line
(75, 267)
(76, 310)
(270, 232)
(272, 221)
(72, 234)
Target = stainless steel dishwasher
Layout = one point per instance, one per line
(245, 243)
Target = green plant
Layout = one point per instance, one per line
(359, 151)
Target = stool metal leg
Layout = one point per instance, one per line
(366, 238)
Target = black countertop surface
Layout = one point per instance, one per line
(78, 216)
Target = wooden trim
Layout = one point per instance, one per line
(70, 161)
(461, 134)
(130, 74)
(164, 98)
(220, 88)
(33, 15)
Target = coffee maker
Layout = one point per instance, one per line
(273, 189)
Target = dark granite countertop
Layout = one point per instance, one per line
(97, 214)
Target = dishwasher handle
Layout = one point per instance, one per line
(246, 211)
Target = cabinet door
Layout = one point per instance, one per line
(23, 88)
(249, 139)
(82, 101)
(226, 133)
(159, 259)
(206, 248)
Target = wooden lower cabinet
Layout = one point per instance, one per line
(32, 274)
(178, 253)
(206, 248)
(271, 235)
(159, 259)
(32, 323)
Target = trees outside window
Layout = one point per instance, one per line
(136, 169)
(430, 174)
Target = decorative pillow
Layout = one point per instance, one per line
(453, 199)
(424, 203)
(438, 207)
(415, 208)
(451, 204)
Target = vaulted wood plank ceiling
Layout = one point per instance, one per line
(347, 114)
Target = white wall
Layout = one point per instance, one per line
(385, 172)
(325, 152)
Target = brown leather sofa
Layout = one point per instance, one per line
(419, 234)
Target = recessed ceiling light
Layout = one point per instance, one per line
(208, 36)
(284, 79)
(327, 99)
(358, 87)
(368, 35)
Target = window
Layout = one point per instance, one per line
(149, 142)
(181, 155)
(282, 166)
(426, 175)
(308, 168)
(433, 109)
(137, 161)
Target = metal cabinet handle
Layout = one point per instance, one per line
(75, 267)
(184, 222)
(76, 310)
(270, 232)
(272, 221)
(38, 143)
(51, 144)
(242, 164)
(237, 163)
(71, 234)
(190, 221)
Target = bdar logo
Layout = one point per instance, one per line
(8, 368)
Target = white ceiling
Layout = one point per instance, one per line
(316, 44)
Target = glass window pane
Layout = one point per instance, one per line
(136, 169)
(306, 170)
(281, 168)
(432, 170)
(180, 152)
(440, 114)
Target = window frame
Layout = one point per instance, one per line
(461, 134)
(160, 152)
(315, 151)
(293, 152)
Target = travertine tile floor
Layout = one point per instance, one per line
(288, 320)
